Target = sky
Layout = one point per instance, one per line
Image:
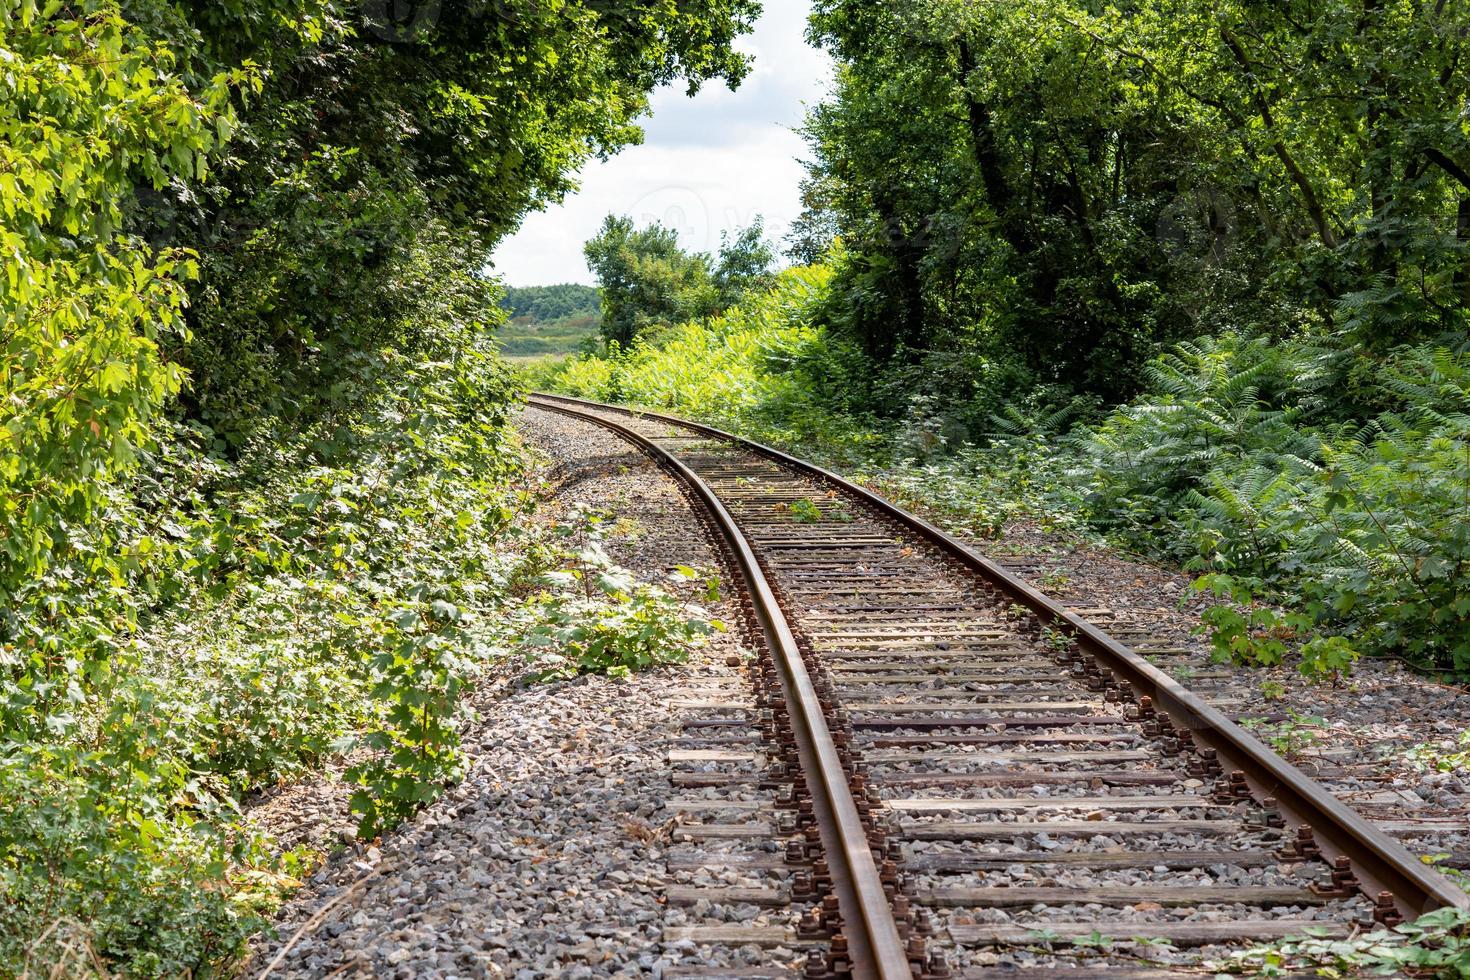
(707, 164)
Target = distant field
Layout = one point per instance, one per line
(526, 360)
(520, 338)
(549, 320)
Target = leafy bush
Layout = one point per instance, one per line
(89, 878)
(89, 308)
(594, 617)
(624, 626)
(420, 662)
(318, 593)
(1245, 632)
(1386, 532)
(1434, 945)
(1217, 407)
(1365, 530)
(760, 367)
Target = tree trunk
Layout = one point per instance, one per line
(910, 253)
(1268, 119)
(1462, 234)
(1380, 164)
(983, 147)
(982, 140)
(907, 252)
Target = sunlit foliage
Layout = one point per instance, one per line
(649, 281)
(255, 480)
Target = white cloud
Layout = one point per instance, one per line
(709, 164)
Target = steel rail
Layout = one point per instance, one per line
(876, 950)
(1381, 864)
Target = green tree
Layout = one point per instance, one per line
(298, 169)
(744, 263)
(1073, 185)
(93, 110)
(647, 279)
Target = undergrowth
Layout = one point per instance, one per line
(1324, 537)
(329, 597)
(1436, 944)
(321, 594)
(590, 615)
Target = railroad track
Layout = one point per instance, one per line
(963, 776)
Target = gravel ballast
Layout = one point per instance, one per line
(1355, 736)
(548, 860)
(552, 857)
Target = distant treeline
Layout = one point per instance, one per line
(551, 304)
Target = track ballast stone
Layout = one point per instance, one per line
(548, 860)
(847, 577)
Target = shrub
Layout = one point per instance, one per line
(93, 872)
(255, 616)
(1385, 538)
(594, 617)
(621, 628)
(1368, 531)
(1220, 405)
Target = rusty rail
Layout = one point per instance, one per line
(1386, 872)
(876, 950)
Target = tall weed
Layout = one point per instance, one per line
(1366, 530)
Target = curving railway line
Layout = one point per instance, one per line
(942, 772)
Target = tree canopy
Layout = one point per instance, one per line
(1080, 182)
(648, 280)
